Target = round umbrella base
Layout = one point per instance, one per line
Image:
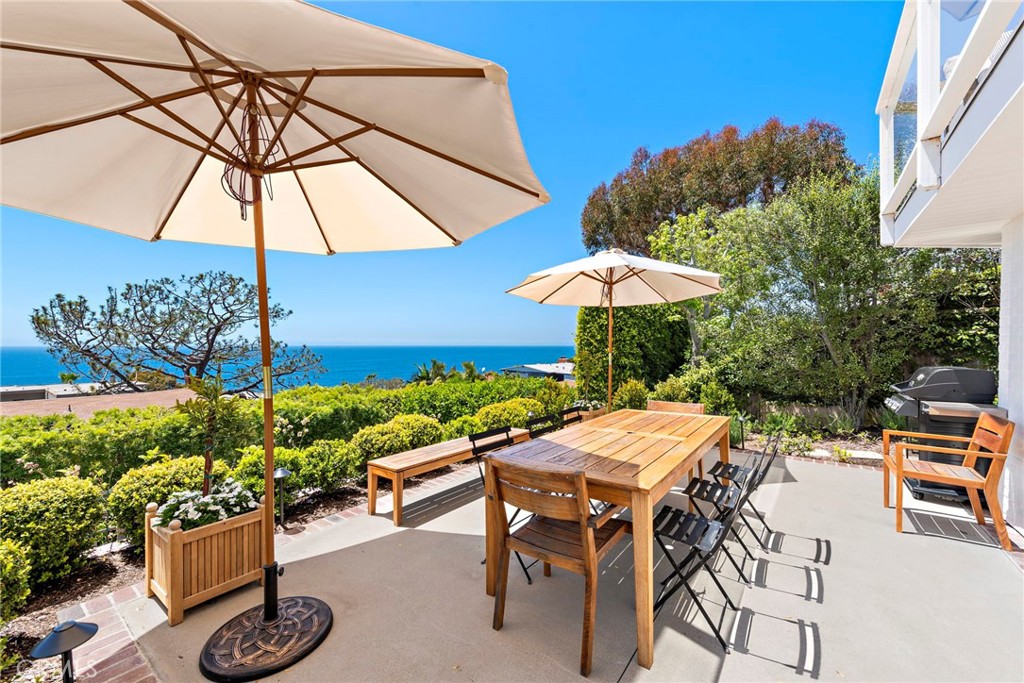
(247, 648)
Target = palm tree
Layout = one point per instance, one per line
(470, 373)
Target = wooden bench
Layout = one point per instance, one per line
(401, 466)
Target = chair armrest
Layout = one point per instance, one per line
(922, 435)
(949, 451)
(598, 521)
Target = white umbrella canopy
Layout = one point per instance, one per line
(159, 119)
(614, 278)
(395, 143)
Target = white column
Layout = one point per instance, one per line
(928, 56)
(1011, 365)
(887, 174)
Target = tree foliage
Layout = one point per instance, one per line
(723, 170)
(170, 330)
(814, 309)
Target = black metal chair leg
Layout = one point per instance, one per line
(707, 617)
(735, 564)
(529, 579)
(718, 583)
(753, 533)
(760, 516)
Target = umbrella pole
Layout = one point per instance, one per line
(269, 637)
(610, 328)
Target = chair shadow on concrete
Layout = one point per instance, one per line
(816, 550)
(949, 526)
(804, 659)
(802, 581)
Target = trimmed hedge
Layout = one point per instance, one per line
(324, 465)
(154, 484)
(514, 413)
(56, 520)
(15, 569)
(462, 426)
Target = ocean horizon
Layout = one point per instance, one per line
(27, 365)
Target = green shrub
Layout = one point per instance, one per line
(697, 385)
(250, 468)
(56, 520)
(555, 396)
(15, 569)
(462, 426)
(328, 413)
(154, 483)
(447, 401)
(630, 394)
(513, 413)
(716, 399)
(328, 463)
(401, 433)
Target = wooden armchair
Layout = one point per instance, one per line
(992, 434)
(562, 532)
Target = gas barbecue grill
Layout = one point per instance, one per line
(944, 400)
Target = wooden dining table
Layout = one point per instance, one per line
(630, 458)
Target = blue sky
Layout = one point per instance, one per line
(590, 82)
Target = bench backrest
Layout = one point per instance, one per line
(674, 407)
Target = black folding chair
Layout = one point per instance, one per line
(545, 424)
(704, 537)
(483, 443)
(571, 416)
(738, 474)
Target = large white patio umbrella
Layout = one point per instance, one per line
(614, 278)
(171, 120)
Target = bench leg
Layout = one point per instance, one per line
(371, 490)
(397, 499)
(885, 482)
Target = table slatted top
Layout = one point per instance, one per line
(630, 449)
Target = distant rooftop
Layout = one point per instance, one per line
(564, 369)
(85, 406)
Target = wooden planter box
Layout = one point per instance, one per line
(187, 568)
(591, 414)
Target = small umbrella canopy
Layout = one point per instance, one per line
(614, 278)
(169, 120)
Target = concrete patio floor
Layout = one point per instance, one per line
(840, 596)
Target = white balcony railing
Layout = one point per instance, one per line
(941, 50)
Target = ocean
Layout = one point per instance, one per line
(20, 365)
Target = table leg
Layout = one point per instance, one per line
(723, 447)
(493, 552)
(643, 571)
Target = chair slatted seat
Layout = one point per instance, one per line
(714, 492)
(732, 471)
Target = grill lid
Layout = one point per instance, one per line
(968, 385)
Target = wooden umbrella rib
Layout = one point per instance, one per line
(311, 164)
(213, 95)
(412, 143)
(560, 287)
(178, 29)
(279, 130)
(702, 284)
(91, 118)
(523, 284)
(177, 138)
(160, 107)
(302, 187)
(72, 54)
(649, 285)
(377, 72)
(316, 148)
(312, 124)
(195, 169)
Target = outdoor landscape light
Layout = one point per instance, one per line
(280, 474)
(62, 640)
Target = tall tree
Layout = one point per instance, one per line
(178, 330)
(723, 170)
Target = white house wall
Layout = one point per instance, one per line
(1011, 364)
